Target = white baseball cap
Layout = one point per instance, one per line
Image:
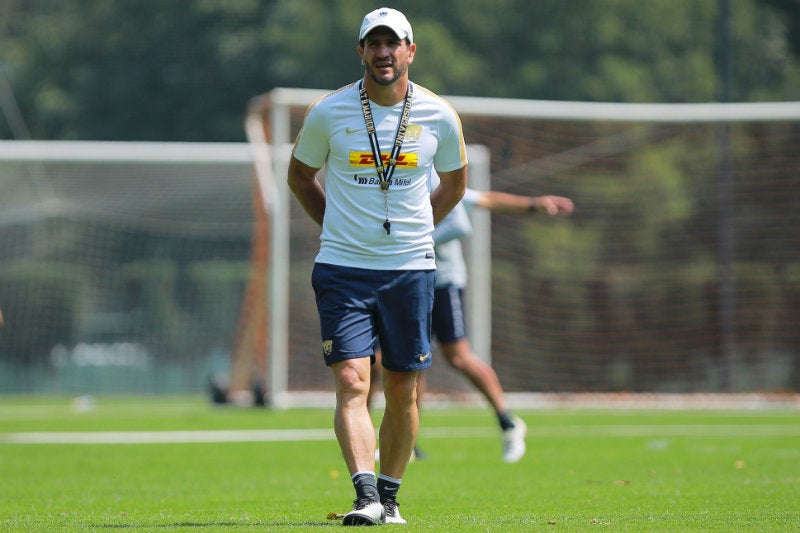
(391, 18)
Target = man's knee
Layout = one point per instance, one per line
(458, 354)
(400, 387)
(352, 376)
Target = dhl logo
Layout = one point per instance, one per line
(366, 159)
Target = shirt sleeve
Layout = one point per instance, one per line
(313, 142)
(452, 153)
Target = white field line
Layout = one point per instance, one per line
(565, 400)
(46, 412)
(168, 437)
(286, 435)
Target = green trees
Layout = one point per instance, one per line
(184, 71)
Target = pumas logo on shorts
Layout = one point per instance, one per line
(424, 357)
(327, 347)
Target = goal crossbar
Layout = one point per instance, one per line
(597, 111)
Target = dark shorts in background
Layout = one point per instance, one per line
(449, 321)
(358, 305)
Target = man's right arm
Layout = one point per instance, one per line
(307, 189)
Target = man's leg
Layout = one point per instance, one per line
(459, 354)
(376, 378)
(404, 308)
(481, 375)
(356, 436)
(400, 423)
(398, 433)
(352, 423)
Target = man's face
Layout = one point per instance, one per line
(386, 57)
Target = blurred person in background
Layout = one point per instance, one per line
(449, 314)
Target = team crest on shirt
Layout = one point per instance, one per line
(413, 133)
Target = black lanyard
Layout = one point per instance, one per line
(385, 172)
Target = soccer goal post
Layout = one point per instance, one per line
(650, 286)
(269, 130)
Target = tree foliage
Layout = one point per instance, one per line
(184, 70)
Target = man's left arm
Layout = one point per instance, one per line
(451, 189)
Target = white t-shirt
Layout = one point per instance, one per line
(334, 134)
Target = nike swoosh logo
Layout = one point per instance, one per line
(348, 131)
(423, 358)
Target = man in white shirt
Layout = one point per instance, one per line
(380, 140)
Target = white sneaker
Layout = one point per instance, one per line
(514, 441)
(365, 513)
(392, 511)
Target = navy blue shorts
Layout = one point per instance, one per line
(449, 320)
(356, 306)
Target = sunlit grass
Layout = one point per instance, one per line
(585, 471)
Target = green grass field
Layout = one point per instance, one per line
(586, 470)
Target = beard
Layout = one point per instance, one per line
(398, 73)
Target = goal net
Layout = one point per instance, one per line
(122, 265)
(151, 267)
(679, 270)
